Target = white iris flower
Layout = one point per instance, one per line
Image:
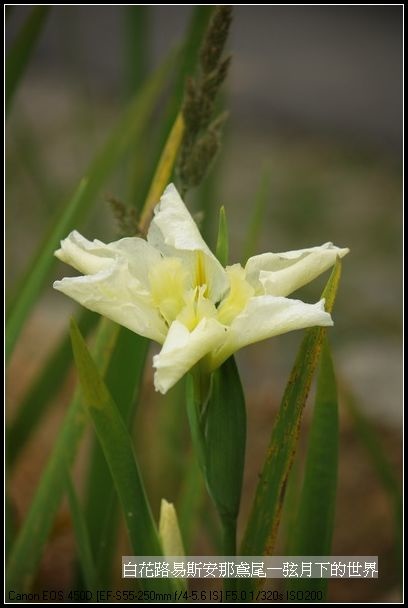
(172, 289)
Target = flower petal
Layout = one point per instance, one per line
(267, 316)
(90, 257)
(140, 256)
(115, 293)
(174, 232)
(86, 256)
(183, 349)
(279, 274)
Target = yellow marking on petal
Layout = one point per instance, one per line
(197, 306)
(168, 284)
(201, 275)
(237, 298)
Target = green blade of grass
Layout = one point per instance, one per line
(218, 433)
(290, 504)
(128, 131)
(218, 430)
(19, 54)
(225, 437)
(82, 537)
(119, 453)
(315, 519)
(101, 507)
(225, 441)
(28, 547)
(40, 393)
(137, 29)
(260, 533)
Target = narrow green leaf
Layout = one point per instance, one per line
(225, 436)
(129, 130)
(28, 547)
(19, 54)
(260, 533)
(225, 440)
(222, 248)
(136, 39)
(290, 504)
(218, 430)
(101, 504)
(82, 537)
(118, 450)
(315, 519)
(40, 393)
(210, 522)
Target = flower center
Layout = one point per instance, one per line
(182, 294)
(236, 299)
(169, 282)
(197, 307)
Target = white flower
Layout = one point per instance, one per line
(172, 289)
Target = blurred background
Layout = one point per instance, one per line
(315, 128)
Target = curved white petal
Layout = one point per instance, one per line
(267, 316)
(183, 349)
(90, 257)
(86, 256)
(140, 256)
(119, 296)
(279, 274)
(174, 232)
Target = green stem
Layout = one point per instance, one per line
(229, 545)
(229, 531)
